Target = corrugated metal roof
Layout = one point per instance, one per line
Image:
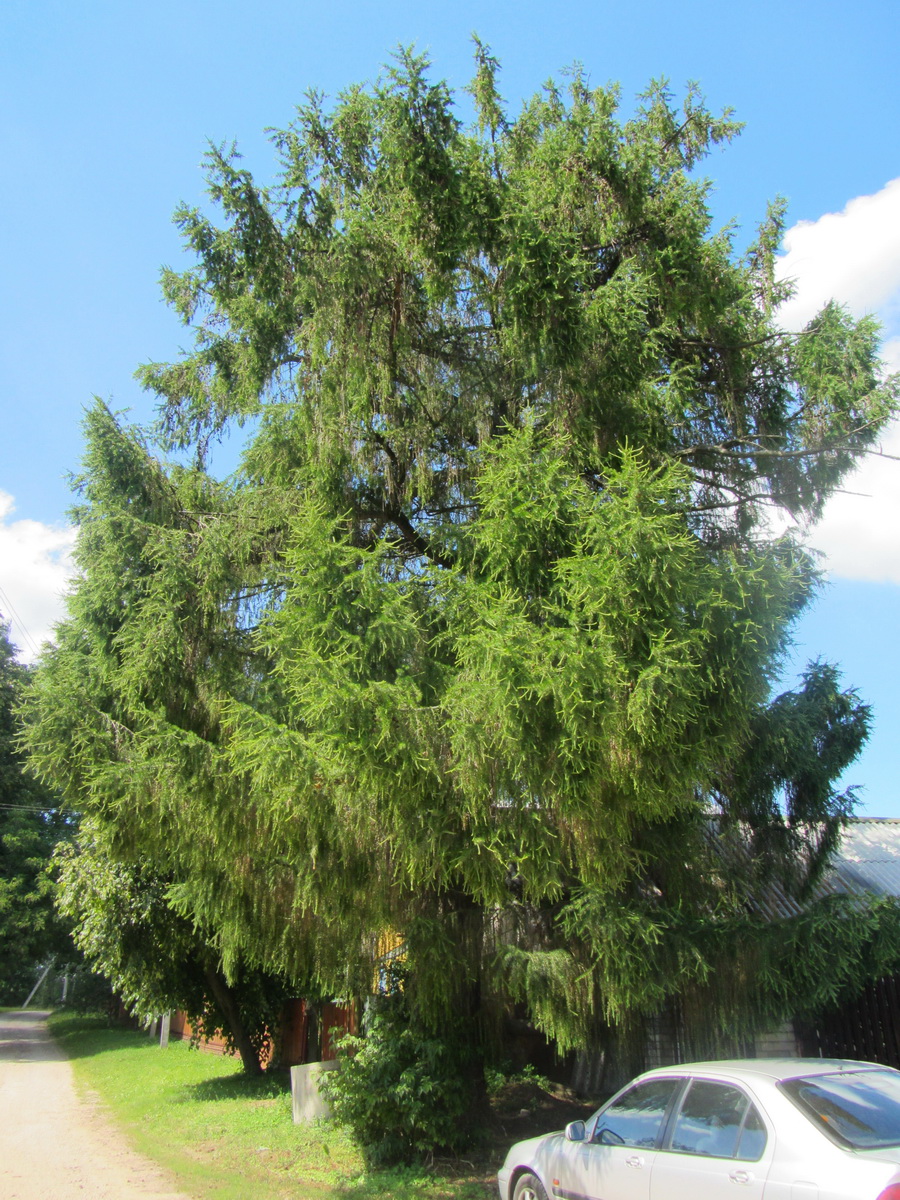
(867, 861)
(771, 901)
(869, 856)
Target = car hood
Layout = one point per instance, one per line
(526, 1152)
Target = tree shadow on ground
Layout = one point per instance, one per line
(82, 1036)
(269, 1086)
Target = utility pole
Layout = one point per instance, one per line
(44, 975)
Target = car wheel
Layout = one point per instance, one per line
(529, 1187)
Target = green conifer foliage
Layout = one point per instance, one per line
(30, 826)
(489, 616)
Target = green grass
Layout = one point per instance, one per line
(227, 1137)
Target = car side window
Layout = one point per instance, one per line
(753, 1137)
(636, 1118)
(713, 1122)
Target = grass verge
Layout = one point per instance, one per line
(227, 1137)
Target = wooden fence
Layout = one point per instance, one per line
(867, 1028)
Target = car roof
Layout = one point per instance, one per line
(769, 1068)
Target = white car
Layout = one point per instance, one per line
(778, 1129)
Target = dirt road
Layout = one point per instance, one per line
(54, 1146)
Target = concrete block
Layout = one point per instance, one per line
(306, 1100)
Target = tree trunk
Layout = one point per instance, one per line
(224, 997)
(468, 1030)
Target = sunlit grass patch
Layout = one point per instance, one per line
(225, 1135)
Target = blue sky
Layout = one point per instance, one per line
(108, 107)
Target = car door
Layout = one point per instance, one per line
(616, 1163)
(717, 1146)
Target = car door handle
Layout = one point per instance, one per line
(634, 1160)
(741, 1176)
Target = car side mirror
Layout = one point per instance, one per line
(575, 1131)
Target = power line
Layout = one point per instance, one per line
(29, 808)
(11, 609)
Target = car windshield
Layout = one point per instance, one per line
(856, 1108)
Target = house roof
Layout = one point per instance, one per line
(868, 858)
(867, 861)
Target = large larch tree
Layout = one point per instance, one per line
(482, 633)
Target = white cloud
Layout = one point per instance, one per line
(859, 532)
(851, 256)
(854, 257)
(35, 565)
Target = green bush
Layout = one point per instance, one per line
(497, 1078)
(404, 1093)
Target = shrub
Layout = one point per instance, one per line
(404, 1093)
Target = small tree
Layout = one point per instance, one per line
(127, 924)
